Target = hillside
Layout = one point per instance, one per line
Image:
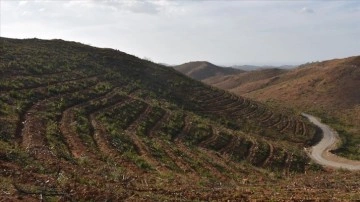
(328, 89)
(201, 70)
(247, 81)
(85, 123)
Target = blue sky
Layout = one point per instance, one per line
(173, 32)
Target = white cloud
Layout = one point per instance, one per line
(172, 32)
(22, 3)
(307, 10)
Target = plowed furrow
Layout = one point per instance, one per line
(256, 113)
(185, 130)
(212, 138)
(105, 147)
(67, 127)
(33, 133)
(251, 109)
(244, 107)
(287, 163)
(242, 150)
(141, 147)
(229, 148)
(204, 94)
(99, 130)
(68, 122)
(158, 124)
(284, 121)
(212, 98)
(228, 168)
(55, 84)
(270, 156)
(62, 79)
(18, 74)
(132, 127)
(276, 118)
(277, 122)
(30, 131)
(144, 152)
(229, 107)
(288, 125)
(200, 164)
(14, 75)
(305, 131)
(266, 118)
(252, 150)
(297, 127)
(99, 137)
(261, 153)
(222, 107)
(32, 107)
(177, 159)
(238, 112)
(233, 107)
(221, 102)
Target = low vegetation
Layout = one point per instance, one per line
(84, 123)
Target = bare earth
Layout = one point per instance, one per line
(321, 154)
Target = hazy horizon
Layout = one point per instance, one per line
(225, 33)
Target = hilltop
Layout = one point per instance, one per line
(85, 123)
(201, 70)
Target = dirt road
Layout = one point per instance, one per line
(321, 154)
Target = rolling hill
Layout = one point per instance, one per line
(201, 70)
(85, 123)
(247, 81)
(328, 89)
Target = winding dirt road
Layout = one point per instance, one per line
(321, 154)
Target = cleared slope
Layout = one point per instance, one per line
(79, 122)
(332, 83)
(246, 81)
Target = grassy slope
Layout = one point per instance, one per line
(79, 122)
(328, 89)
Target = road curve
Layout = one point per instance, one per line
(320, 152)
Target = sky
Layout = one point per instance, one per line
(224, 32)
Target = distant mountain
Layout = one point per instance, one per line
(332, 83)
(255, 67)
(201, 70)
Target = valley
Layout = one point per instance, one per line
(326, 89)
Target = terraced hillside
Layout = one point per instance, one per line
(79, 122)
